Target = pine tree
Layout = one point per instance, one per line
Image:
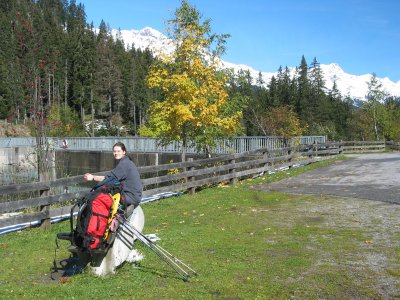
(317, 99)
(138, 95)
(259, 104)
(108, 75)
(7, 64)
(302, 106)
(316, 77)
(284, 86)
(243, 89)
(80, 60)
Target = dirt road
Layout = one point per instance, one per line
(362, 193)
(366, 176)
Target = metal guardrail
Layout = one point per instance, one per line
(146, 144)
(17, 142)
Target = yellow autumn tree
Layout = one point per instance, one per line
(282, 121)
(195, 107)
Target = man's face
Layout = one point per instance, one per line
(118, 152)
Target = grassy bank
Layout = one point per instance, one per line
(245, 244)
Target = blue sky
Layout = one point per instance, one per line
(362, 36)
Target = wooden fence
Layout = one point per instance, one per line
(363, 146)
(184, 176)
(369, 146)
(391, 145)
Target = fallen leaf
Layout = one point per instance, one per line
(3, 246)
(65, 279)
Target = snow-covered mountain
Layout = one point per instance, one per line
(353, 85)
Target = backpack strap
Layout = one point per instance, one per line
(113, 211)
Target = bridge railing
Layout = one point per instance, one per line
(145, 144)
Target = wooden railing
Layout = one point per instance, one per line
(391, 145)
(183, 176)
(363, 146)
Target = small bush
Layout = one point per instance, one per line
(14, 130)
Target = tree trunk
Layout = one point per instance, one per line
(375, 125)
(92, 110)
(49, 95)
(41, 147)
(82, 108)
(134, 118)
(66, 84)
(184, 144)
(110, 111)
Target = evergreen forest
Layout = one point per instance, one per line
(61, 74)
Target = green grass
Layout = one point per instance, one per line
(245, 244)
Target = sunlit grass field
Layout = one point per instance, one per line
(245, 244)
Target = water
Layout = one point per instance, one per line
(72, 163)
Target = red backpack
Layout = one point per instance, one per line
(96, 212)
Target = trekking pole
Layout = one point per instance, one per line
(176, 264)
(160, 252)
(179, 264)
(175, 259)
(150, 244)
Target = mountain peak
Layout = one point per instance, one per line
(334, 68)
(353, 85)
(150, 32)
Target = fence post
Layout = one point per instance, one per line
(232, 171)
(272, 163)
(315, 148)
(156, 158)
(44, 176)
(341, 148)
(47, 173)
(267, 164)
(310, 151)
(192, 190)
(45, 224)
